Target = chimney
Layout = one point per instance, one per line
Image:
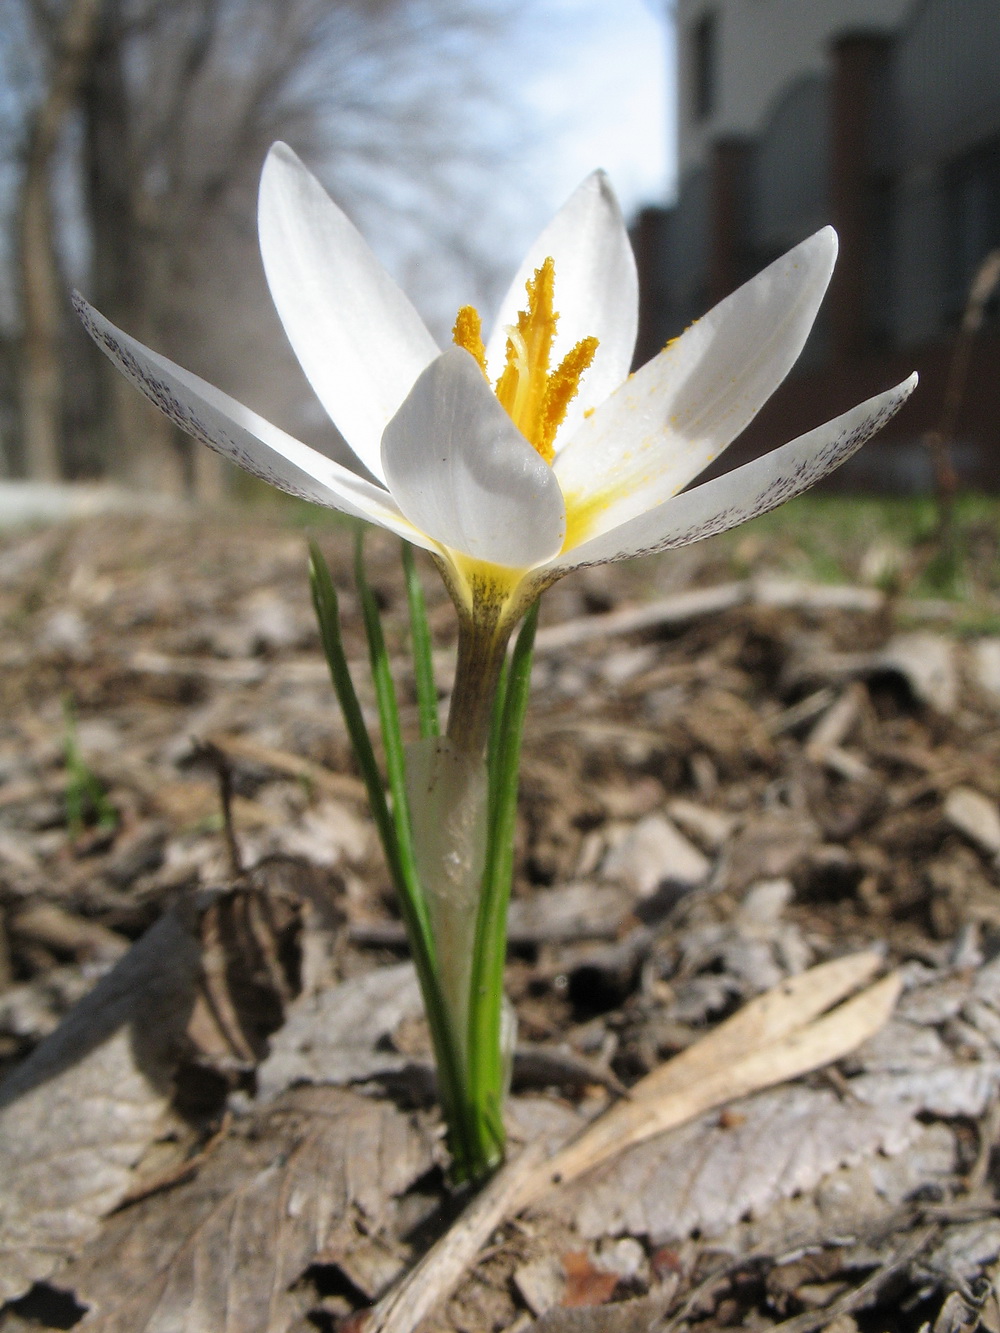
(858, 59)
(727, 216)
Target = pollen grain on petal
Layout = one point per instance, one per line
(468, 333)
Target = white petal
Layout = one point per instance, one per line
(675, 415)
(358, 338)
(241, 435)
(596, 292)
(462, 473)
(742, 494)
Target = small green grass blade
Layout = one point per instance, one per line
(420, 640)
(84, 794)
(327, 606)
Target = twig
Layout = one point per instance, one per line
(717, 1278)
(341, 785)
(220, 761)
(438, 1272)
(673, 610)
(859, 1297)
(772, 1039)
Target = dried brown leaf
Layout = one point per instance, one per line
(586, 1284)
(80, 1112)
(707, 1175)
(223, 1250)
(638, 1316)
(340, 1035)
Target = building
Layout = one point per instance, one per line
(882, 117)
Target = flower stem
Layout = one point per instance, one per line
(486, 1074)
(482, 645)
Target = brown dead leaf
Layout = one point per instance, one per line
(341, 1035)
(79, 1113)
(251, 964)
(290, 1188)
(585, 1284)
(707, 1175)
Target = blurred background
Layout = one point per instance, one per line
(132, 134)
(882, 117)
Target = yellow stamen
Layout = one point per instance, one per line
(468, 333)
(560, 390)
(521, 388)
(507, 383)
(534, 398)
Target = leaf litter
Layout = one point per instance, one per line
(218, 1109)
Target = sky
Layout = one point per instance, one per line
(592, 85)
(607, 89)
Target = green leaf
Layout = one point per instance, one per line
(473, 1141)
(392, 738)
(84, 794)
(324, 596)
(420, 640)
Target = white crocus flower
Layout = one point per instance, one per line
(518, 461)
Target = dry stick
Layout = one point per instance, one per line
(671, 610)
(939, 441)
(818, 1044)
(439, 1271)
(223, 768)
(770, 1040)
(866, 1293)
(692, 1302)
(341, 785)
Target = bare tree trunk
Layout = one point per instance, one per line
(139, 446)
(41, 289)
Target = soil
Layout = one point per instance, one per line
(711, 802)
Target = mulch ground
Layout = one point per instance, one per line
(729, 775)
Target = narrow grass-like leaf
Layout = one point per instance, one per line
(471, 1157)
(485, 1059)
(325, 601)
(420, 640)
(392, 737)
(84, 794)
(463, 1138)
